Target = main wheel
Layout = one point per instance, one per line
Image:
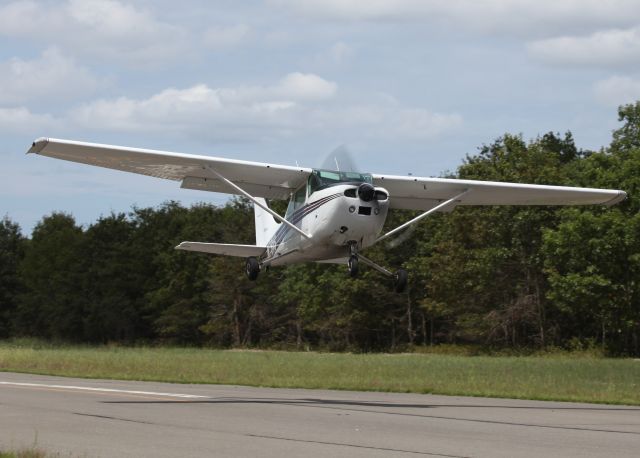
(400, 280)
(353, 266)
(252, 268)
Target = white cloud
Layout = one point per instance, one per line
(608, 47)
(387, 119)
(230, 112)
(99, 28)
(617, 90)
(21, 120)
(14, 15)
(218, 37)
(51, 76)
(420, 123)
(304, 86)
(533, 17)
(299, 104)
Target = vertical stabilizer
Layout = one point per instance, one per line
(266, 225)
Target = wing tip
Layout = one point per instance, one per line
(620, 196)
(182, 246)
(38, 145)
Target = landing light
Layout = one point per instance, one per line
(352, 208)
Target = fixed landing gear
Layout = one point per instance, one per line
(400, 277)
(252, 268)
(353, 265)
(400, 280)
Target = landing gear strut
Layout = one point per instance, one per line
(400, 277)
(252, 268)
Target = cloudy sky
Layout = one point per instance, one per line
(406, 85)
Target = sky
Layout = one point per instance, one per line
(408, 86)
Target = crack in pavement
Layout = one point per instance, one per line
(308, 403)
(264, 436)
(342, 444)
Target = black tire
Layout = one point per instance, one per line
(400, 281)
(353, 266)
(252, 268)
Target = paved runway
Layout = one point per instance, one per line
(140, 419)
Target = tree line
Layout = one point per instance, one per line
(520, 277)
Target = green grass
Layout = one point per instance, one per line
(560, 377)
(25, 453)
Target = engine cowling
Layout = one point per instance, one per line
(366, 192)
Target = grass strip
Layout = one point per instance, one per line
(26, 453)
(556, 377)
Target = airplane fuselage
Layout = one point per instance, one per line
(335, 217)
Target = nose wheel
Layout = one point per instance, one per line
(353, 266)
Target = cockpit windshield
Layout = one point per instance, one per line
(321, 179)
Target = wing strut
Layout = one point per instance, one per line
(258, 203)
(440, 206)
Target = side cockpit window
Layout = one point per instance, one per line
(297, 200)
(299, 197)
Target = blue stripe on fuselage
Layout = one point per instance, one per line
(296, 217)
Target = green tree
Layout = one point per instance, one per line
(111, 281)
(183, 293)
(12, 248)
(592, 257)
(53, 304)
(626, 139)
(593, 265)
(480, 269)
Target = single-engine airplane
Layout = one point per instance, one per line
(332, 215)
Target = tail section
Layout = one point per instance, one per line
(266, 225)
(241, 251)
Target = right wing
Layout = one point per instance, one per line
(421, 193)
(258, 179)
(241, 251)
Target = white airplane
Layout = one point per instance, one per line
(332, 215)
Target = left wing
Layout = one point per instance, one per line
(418, 193)
(258, 179)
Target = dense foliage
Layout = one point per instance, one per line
(501, 276)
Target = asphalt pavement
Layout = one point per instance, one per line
(107, 418)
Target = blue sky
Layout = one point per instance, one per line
(406, 85)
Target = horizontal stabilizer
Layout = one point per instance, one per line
(334, 261)
(242, 251)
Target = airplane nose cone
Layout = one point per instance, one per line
(366, 192)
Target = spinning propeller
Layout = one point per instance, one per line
(342, 160)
